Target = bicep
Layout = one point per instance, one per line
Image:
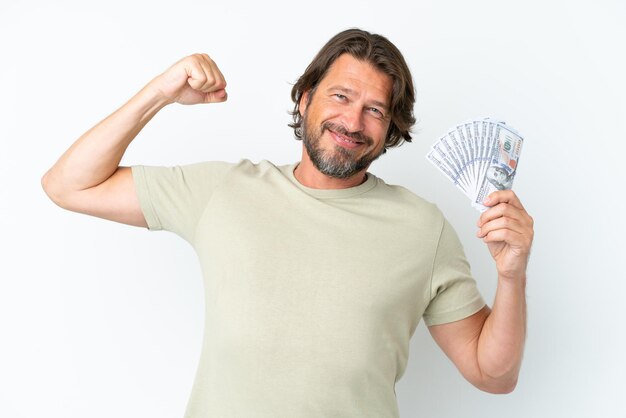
(114, 199)
(459, 341)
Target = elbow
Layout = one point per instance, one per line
(502, 388)
(45, 184)
(498, 386)
(51, 190)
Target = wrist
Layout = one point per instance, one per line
(148, 102)
(514, 281)
(153, 93)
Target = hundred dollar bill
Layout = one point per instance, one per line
(440, 162)
(502, 167)
(462, 144)
(479, 157)
(471, 145)
(445, 148)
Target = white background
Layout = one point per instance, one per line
(98, 319)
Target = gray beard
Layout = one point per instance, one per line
(338, 163)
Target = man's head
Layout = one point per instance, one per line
(382, 55)
(346, 118)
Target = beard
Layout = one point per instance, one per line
(337, 162)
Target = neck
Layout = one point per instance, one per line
(308, 175)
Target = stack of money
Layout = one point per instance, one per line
(479, 157)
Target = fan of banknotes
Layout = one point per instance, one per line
(479, 157)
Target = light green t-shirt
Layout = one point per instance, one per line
(311, 296)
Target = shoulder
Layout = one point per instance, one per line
(243, 167)
(247, 169)
(406, 201)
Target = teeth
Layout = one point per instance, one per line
(347, 140)
(343, 138)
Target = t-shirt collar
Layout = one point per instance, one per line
(367, 185)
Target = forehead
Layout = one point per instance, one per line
(361, 76)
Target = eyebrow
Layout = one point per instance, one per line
(349, 91)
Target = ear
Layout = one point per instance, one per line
(304, 101)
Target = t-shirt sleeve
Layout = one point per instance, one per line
(453, 292)
(174, 198)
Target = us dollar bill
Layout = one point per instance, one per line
(479, 157)
(502, 167)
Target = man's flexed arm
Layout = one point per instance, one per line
(87, 177)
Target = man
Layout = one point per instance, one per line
(317, 273)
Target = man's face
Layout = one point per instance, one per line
(345, 121)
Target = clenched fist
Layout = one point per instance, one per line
(192, 80)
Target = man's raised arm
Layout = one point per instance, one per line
(87, 178)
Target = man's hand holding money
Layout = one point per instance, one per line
(507, 229)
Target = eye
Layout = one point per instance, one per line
(376, 112)
(340, 96)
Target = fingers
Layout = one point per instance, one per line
(504, 203)
(506, 220)
(501, 223)
(205, 76)
(506, 196)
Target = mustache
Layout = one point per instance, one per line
(357, 136)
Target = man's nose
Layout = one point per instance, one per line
(352, 119)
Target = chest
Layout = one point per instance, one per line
(279, 261)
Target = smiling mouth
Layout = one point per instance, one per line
(344, 141)
(344, 138)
